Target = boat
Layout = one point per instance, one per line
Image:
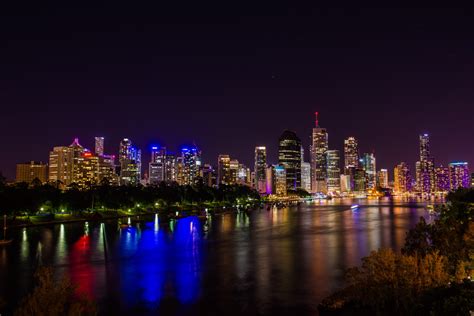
(5, 241)
(354, 207)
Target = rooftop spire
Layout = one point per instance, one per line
(317, 120)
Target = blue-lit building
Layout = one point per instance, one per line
(191, 165)
(459, 176)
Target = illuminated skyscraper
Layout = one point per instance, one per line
(289, 156)
(77, 152)
(107, 172)
(157, 165)
(192, 165)
(306, 176)
(459, 175)
(99, 146)
(382, 178)
(223, 170)
(170, 167)
(425, 173)
(233, 169)
(319, 146)
(333, 172)
(87, 170)
(369, 166)
(442, 179)
(351, 154)
(61, 165)
(260, 169)
(29, 171)
(280, 183)
(401, 179)
(346, 185)
(130, 163)
(360, 181)
(209, 176)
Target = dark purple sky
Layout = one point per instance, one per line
(233, 77)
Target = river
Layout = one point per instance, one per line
(282, 261)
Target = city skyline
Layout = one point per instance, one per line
(244, 75)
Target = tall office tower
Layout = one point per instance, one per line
(269, 178)
(360, 181)
(425, 173)
(382, 178)
(459, 175)
(346, 185)
(442, 179)
(402, 181)
(61, 165)
(233, 170)
(192, 165)
(170, 168)
(179, 170)
(260, 169)
(319, 146)
(244, 175)
(209, 176)
(289, 156)
(29, 171)
(99, 146)
(351, 154)
(333, 172)
(77, 152)
(130, 163)
(87, 170)
(306, 176)
(280, 182)
(223, 170)
(369, 166)
(107, 174)
(157, 165)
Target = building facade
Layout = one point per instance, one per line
(289, 156)
(319, 146)
(260, 169)
(29, 171)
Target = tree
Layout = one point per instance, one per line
(54, 298)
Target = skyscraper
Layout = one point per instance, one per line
(369, 166)
(401, 179)
(29, 171)
(442, 179)
(333, 172)
(382, 178)
(61, 165)
(425, 173)
(459, 175)
(289, 156)
(351, 154)
(130, 163)
(319, 146)
(87, 170)
(192, 165)
(260, 169)
(223, 170)
(209, 176)
(306, 176)
(280, 183)
(99, 146)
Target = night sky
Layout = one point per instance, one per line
(232, 77)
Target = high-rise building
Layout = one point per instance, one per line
(459, 175)
(192, 165)
(179, 170)
(346, 186)
(209, 176)
(369, 166)
(260, 169)
(87, 170)
(170, 167)
(223, 170)
(289, 156)
(306, 176)
(351, 154)
(333, 172)
(319, 146)
(382, 178)
(243, 175)
(425, 170)
(157, 165)
(130, 163)
(29, 171)
(402, 181)
(61, 165)
(442, 179)
(99, 146)
(107, 172)
(77, 152)
(280, 183)
(233, 169)
(360, 181)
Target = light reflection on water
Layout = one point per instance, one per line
(270, 261)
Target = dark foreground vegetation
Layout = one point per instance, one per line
(431, 275)
(22, 199)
